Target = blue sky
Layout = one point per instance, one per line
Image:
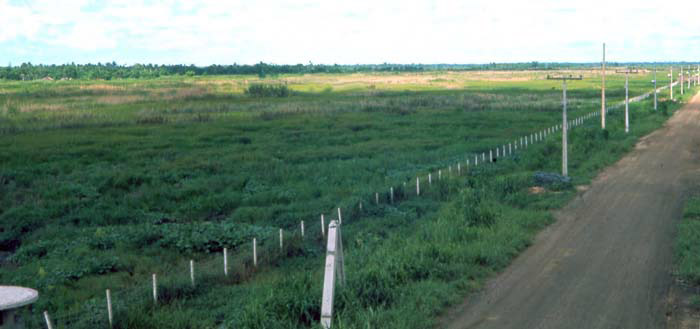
(346, 32)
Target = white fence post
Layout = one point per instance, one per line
(417, 185)
(225, 262)
(192, 271)
(255, 252)
(323, 227)
(109, 308)
(430, 179)
(334, 270)
(340, 217)
(49, 325)
(281, 240)
(155, 289)
(302, 228)
(376, 198)
(391, 194)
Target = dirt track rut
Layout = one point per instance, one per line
(606, 261)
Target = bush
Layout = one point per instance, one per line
(474, 211)
(663, 107)
(264, 90)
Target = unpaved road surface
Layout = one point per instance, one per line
(606, 262)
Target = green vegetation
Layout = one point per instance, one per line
(688, 243)
(263, 90)
(102, 184)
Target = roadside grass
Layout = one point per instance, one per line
(130, 200)
(688, 243)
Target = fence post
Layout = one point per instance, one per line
(302, 229)
(48, 320)
(334, 270)
(417, 186)
(323, 227)
(391, 194)
(281, 240)
(155, 289)
(459, 168)
(430, 179)
(109, 308)
(255, 252)
(340, 217)
(376, 198)
(225, 262)
(192, 272)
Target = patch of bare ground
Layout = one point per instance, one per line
(681, 312)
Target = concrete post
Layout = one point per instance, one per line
(655, 90)
(627, 102)
(564, 155)
(602, 96)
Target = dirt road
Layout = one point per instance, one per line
(606, 261)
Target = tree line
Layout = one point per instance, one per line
(109, 71)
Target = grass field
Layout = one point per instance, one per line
(103, 183)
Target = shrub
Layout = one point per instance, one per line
(265, 90)
(474, 211)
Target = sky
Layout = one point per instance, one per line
(346, 32)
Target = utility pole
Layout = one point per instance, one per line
(564, 124)
(680, 74)
(670, 84)
(655, 90)
(627, 96)
(602, 95)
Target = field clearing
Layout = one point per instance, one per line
(103, 183)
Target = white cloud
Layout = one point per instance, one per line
(362, 31)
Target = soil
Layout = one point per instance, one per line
(607, 260)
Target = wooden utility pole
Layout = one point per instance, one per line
(602, 95)
(627, 96)
(564, 125)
